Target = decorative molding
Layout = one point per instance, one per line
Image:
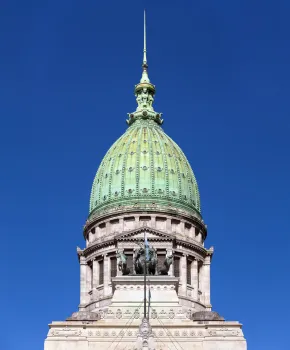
(93, 330)
(147, 208)
(161, 236)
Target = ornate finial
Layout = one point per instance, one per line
(144, 92)
(145, 337)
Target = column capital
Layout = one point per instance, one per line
(83, 260)
(207, 260)
(210, 251)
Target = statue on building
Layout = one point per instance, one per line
(122, 264)
(166, 264)
(152, 263)
(141, 255)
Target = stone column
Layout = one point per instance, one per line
(96, 274)
(206, 281)
(168, 253)
(88, 281)
(107, 275)
(119, 272)
(194, 278)
(182, 273)
(83, 282)
(200, 283)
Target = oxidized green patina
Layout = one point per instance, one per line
(145, 166)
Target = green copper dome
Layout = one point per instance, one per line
(145, 166)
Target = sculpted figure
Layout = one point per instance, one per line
(166, 265)
(139, 260)
(144, 95)
(139, 99)
(152, 263)
(122, 265)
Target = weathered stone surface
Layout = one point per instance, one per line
(207, 316)
(84, 316)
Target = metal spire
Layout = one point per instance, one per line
(144, 50)
(145, 78)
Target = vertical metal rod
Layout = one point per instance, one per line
(145, 48)
(149, 297)
(145, 271)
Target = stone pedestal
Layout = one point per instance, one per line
(129, 294)
(119, 334)
(118, 325)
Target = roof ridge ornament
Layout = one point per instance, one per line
(144, 92)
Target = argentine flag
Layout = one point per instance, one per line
(146, 247)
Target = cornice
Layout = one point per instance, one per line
(171, 213)
(132, 236)
(101, 243)
(192, 245)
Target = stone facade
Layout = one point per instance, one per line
(111, 305)
(183, 237)
(95, 335)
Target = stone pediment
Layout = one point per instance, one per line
(151, 234)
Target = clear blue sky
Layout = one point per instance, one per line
(67, 73)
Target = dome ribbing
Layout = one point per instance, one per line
(145, 166)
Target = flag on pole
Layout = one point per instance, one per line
(146, 247)
(149, 299)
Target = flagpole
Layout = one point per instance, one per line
(145, 271)
(149, 297)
